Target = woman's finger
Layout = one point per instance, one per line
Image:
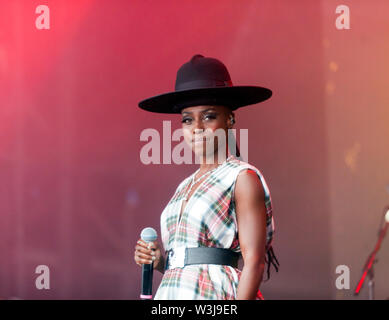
(144, 256)
(143, 250)
(144, 243)
(147, 245)
(144, 261)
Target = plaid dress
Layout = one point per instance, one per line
(208, 220)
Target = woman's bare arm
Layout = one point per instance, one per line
(251, 219)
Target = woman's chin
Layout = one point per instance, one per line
(199, 152)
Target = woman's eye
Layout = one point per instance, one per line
(206, 117)
(210, 116)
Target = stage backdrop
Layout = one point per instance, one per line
(74, 194)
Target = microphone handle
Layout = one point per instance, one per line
(147, 281)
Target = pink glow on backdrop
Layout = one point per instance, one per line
(74, 194)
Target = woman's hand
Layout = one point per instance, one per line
(146, 253)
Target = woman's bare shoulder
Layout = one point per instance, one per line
(248, 185)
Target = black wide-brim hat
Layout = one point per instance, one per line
(204, 81)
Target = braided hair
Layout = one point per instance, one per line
(271, 260)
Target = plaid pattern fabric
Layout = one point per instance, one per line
(208, 220)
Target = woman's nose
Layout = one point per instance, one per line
(198, 127)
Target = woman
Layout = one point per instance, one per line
(200, 224)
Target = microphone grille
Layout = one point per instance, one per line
(148, 234)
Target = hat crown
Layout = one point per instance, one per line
(204, 81)
(202, 72)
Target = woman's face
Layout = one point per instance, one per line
(199, 124)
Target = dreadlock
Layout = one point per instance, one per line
(271, 260)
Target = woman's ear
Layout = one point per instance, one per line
(231, 119)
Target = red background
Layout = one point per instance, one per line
(74, 194)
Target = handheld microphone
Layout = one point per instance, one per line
(147, 235)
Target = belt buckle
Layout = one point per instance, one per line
(177, 257)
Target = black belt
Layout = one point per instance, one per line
(182, 256)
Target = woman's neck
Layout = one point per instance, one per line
(212, 162)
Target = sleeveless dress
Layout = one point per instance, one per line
(208, 220)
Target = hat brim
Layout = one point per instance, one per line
(233, 97)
